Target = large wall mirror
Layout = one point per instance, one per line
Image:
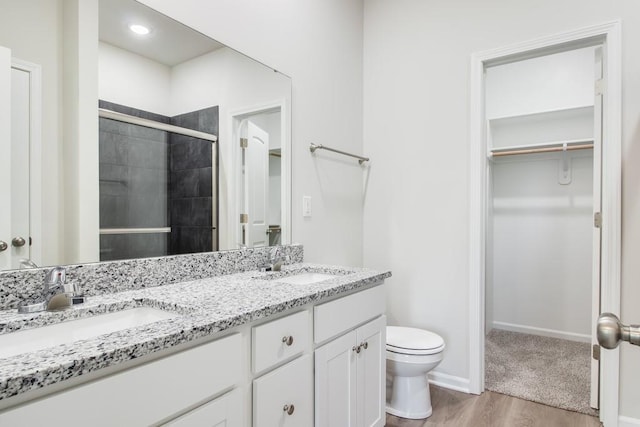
(125, 134)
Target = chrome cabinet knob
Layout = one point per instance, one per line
(3, 246)
(611, 331)
(356, 349)
(18, 242)
(364, 345)
(289, 409)
(287, 339)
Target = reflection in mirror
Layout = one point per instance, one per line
(190, 153)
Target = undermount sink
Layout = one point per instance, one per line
(35, 339)
(306, 278)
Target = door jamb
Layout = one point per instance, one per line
(609, 34)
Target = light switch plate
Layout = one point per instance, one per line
(306, 206)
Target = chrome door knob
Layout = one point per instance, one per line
(611, 331)
(18, 242)
(3, 246)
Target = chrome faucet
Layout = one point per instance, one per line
(56, 295)
(275, 261)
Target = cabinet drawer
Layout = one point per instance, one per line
(335, 317)
(290, 385)
(280, 340)
(139, 396)
(225, 410)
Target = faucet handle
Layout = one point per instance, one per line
(55, 276)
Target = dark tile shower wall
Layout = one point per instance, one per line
(193, 214)
(149, 179)
(134, 178)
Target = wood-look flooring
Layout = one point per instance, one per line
(455, 409)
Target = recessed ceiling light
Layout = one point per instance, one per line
(139, 29)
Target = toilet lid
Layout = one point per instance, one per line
(412, 340)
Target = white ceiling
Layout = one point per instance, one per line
(169, 42)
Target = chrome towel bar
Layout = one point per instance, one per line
(314, 147)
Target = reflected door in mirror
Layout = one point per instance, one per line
(15, 143)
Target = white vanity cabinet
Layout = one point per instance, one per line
(261, 375)
(350, 369)
(144, 395)
(225, 411)
(283, 396)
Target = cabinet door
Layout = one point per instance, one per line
(225, 411)
(336, 382)
(284, 397)
(371, 373)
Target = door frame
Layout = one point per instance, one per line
(609, 35)
(35, 156)
(235, 119)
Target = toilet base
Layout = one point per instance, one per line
(410, 398)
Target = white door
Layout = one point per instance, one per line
(597, 208)
(5, 157)
(336, 382)
(256, 190)
(20, 147)
(371, 372)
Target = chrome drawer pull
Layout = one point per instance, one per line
(287, 339)
(289, 409)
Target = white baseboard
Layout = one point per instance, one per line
(571, 336)
(628, 422)
(449, 381)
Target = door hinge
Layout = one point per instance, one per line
(596, 352)
(597, 220)
(244, 142)
(244, 218)
(599, 87)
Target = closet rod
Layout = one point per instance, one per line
(541, 150)
(315, 147)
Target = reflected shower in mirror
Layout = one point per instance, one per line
(191, 151)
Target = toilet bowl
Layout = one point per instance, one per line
(411, 354)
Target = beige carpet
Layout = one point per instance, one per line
(551, 371)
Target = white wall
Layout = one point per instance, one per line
(416, 109)
(541, 257)
(133, 80)
(546, 83)
(318, 43)
(80, 144)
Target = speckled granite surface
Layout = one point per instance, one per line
(118, 276)
(204, 306)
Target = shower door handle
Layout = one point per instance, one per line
(611, 331)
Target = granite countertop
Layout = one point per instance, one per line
(204, 307)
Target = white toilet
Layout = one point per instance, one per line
(411, 354)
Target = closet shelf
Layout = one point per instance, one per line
(549, 147)
(534, 114)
